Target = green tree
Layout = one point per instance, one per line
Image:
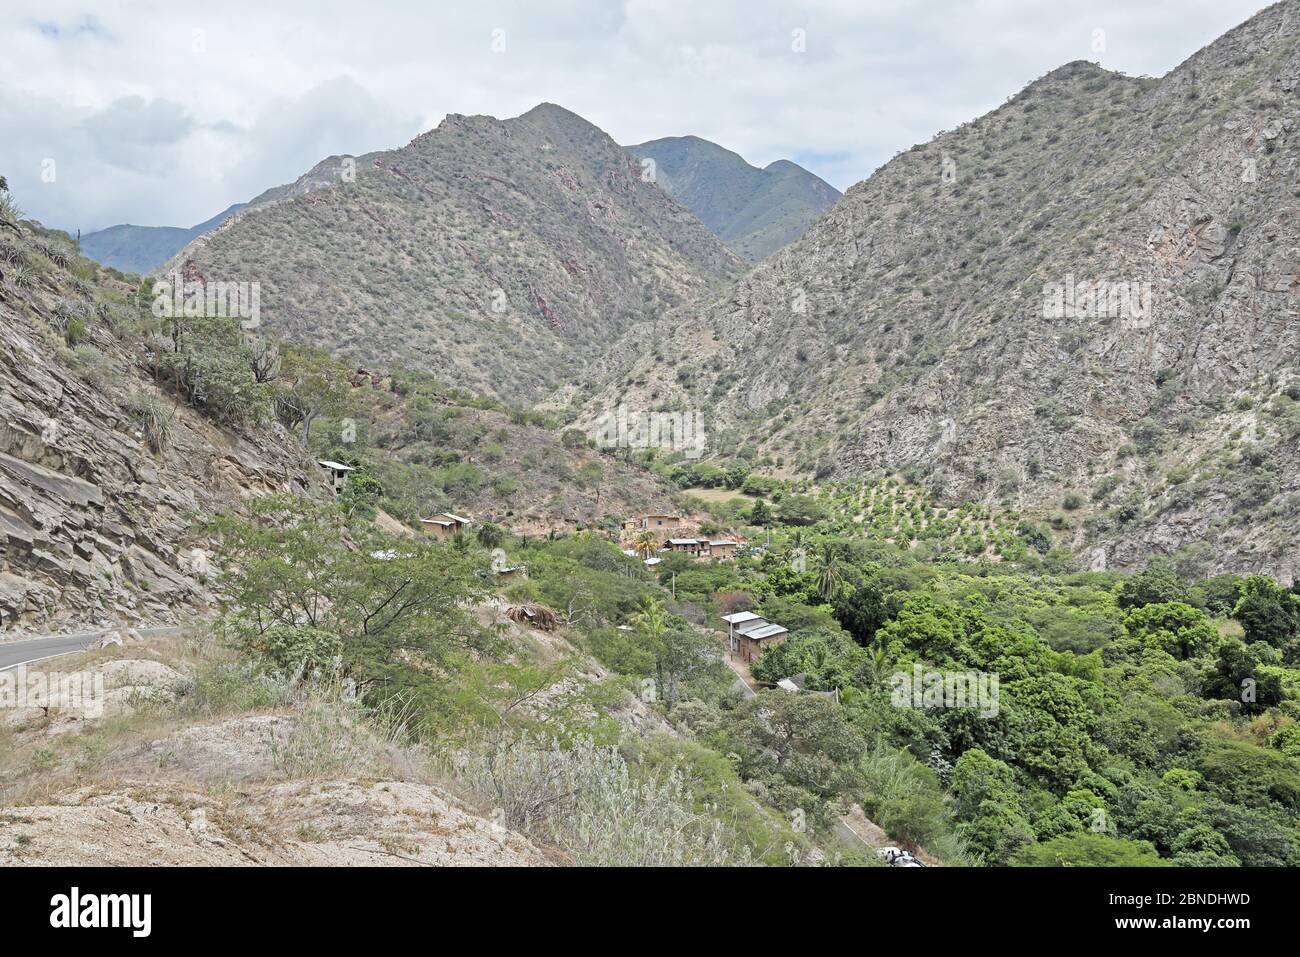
(830, 576)
(312, 384)
(863, 611)
(361, 494)
(1173, 627)
(1267, 612)
(802, 737)
(1158, 583)
(1238, 676)
(1086, 849)
(680, 653)
(646, 544)
(292, 564)
(207, 361)
(491, 535)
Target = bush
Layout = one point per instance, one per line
(589, 802)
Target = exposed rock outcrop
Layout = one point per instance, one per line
(95, 526)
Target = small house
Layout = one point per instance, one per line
(338, 473)
(656, 522)
(735, 621)
(686, 546)
(505, 573)
(752, 639)
(799, 683)
(748, 634)
(723, 550)
(445, 525)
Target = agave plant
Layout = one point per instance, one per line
(9, 213)
(68, 311)
(55, 254)
(22, 278)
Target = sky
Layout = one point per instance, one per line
(167, 113)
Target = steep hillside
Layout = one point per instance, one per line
(432, 448)
(102, 474)
(923, 324)
(139, 249)
(505, 256)
(754, 211)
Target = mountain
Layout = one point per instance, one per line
(924, 324)
(503, 256)
(140, 249)
(754, 211)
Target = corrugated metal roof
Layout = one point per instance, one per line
(737, 618)
(335, 466)
(763, 631)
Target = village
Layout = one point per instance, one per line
(650, 537)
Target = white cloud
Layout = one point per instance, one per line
(165, 113)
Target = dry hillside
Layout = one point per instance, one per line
(913, 328)
(505, 256)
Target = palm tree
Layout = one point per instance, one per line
(830, 578)
(878, 658)
(646, 544)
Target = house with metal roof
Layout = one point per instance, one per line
(799, 683)
(748, 634)
(685, 546)
(445, 525)
(722, 550)
(338, 473)
(719, 550)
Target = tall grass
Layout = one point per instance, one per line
(587, 801)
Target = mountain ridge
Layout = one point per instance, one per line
(513, 249)
(907, 328)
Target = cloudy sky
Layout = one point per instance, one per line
(166, 113)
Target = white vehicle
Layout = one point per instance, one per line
(897, 857)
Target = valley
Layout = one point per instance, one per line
(946, 522)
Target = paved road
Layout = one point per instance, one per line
(14, 653)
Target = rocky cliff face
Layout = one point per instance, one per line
(505, 257)
(95, 524)
(1085, 302)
